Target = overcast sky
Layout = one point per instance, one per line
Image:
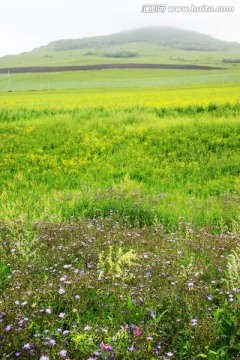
(26, 24)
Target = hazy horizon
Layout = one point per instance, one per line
(29, 24)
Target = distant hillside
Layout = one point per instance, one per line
(153, 45)
(162, 36)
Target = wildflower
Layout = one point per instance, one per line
(63, 353)
(152, 315)
(26, 346)
(108, 348)
(170, 354)
(137, 331)
(194, 322)
(61, 315)
(66, 332)
(44, 357)
(17, 354)
(48, 311)
(209, 297)
(102, 346)
(24, 303)
(52, 342)
(61, 291)
(105, 347)
(87, 328)
(7, 328)
(131, 349)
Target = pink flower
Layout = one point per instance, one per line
(137, 331)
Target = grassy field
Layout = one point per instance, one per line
(105, 152)
(122, 79)
(120, 223)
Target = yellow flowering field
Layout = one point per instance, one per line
(122, 98)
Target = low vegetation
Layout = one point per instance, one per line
(102, 289)
(121, 53)
(231, 61)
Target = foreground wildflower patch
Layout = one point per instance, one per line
(101, 289)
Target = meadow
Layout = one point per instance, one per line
(120, 223)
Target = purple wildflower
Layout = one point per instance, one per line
(63, 353)
(131, 349)
(52, 342)
(152, 315)
(108, 348)
(7, 328)
(194, 322)
(87, 328)
(66, 332)
(102, 346)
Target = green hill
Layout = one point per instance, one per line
(163, 36)
(147, 45)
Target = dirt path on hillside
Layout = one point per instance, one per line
(40, 69)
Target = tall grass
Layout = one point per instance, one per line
(143, 163)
